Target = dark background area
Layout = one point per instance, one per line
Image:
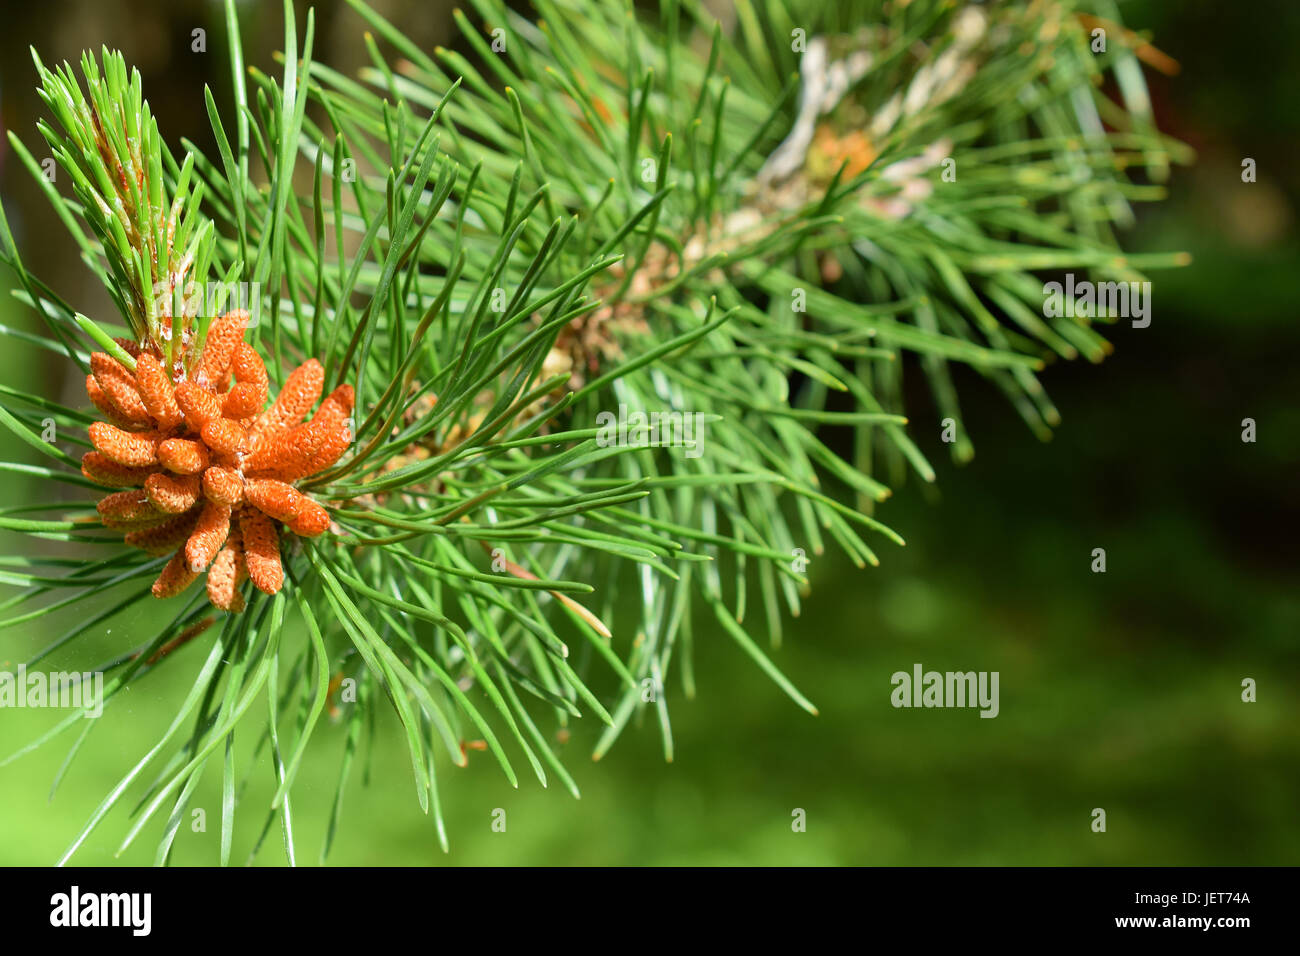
(1119, 690)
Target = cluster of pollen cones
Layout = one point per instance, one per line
(208, 470)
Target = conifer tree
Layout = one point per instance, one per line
(485, 384)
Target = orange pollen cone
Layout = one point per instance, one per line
(206, 468)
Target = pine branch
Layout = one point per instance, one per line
(505, 249)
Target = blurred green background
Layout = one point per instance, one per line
(1118, 690)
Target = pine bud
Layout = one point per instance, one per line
(224, 437)
(279, 500)
(300, 392)
(157, 392)
(133, 449)
(311, 520)
(107, 408)
(175, 577)
(223, 486)
(250, 370)
(224, 335)
(128, 509)
(261, 550)
(183, 456)
(199, 404)
(208, 536)
(243, 401)
(165, 538)
(224, 575)
(119, 386)
(105, 471)
(172, 494)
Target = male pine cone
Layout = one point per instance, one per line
(209, 473)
